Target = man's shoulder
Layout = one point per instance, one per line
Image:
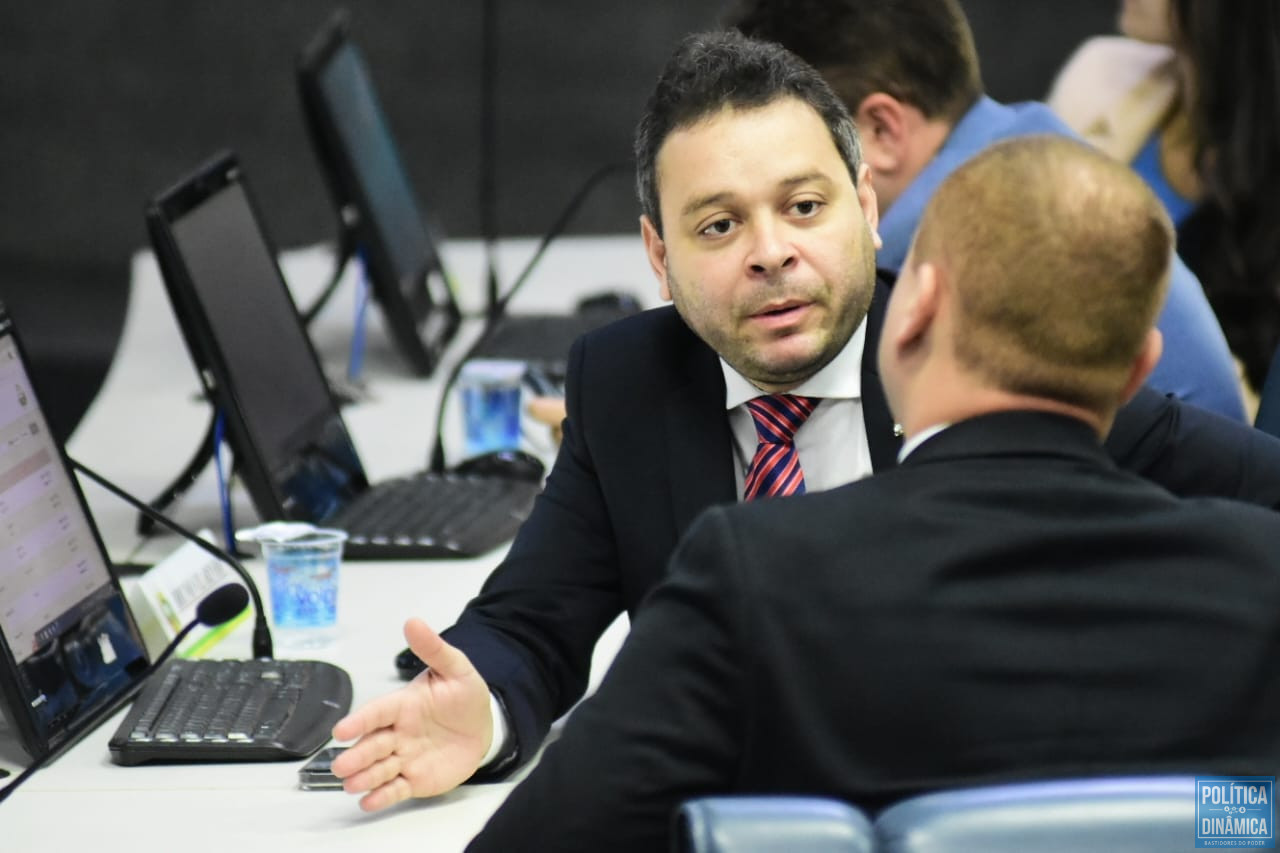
(1234, 520)
(663, 321)
(657, 336)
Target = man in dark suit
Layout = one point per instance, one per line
(767, 257)
(1005, 604)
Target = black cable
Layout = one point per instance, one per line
(557, 227)
(262, 645)
(491, 322)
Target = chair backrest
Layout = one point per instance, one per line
(771, 824)
(1131, 814)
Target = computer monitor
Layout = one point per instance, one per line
(358, 156)
(70, 650)
(249, 345)
(379, 214)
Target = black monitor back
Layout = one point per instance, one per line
(380, 217)
(250, 347)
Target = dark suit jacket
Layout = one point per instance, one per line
(1007, 604)
(647, 447)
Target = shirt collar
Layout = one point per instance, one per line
(918, 439)
(840, 379)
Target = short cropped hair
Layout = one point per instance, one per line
(711, 71)
(919, 51)
(1059, 257)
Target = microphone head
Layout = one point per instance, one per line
(221, 605)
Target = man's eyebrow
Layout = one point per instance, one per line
(711, 199)
(697, 203)
(815, 176)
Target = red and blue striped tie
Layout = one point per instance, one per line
(775, 469)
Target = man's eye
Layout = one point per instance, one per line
(808, 207)
(718, 228)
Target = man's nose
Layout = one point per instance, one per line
(771, 248)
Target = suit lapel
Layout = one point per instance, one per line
(700, 447)
(881, 441)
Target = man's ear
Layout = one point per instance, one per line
(656, 249)
(870, 206)
(882, 124)
(915, 316)
(1146, 361)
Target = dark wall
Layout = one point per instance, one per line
(105, 103)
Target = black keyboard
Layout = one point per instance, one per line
(434, 516)
(233, 710)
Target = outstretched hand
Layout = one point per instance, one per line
(425, 738)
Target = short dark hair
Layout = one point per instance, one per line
(919, 51)
(710, 71)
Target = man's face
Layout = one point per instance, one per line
(768, 248)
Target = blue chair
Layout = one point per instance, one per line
(1150, 814)
(771, 824)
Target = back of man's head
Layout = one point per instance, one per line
(709, 72)
(919, 51)
(1059, 259)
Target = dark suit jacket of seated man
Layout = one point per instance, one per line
(1006, 604)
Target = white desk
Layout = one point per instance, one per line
(141, 429)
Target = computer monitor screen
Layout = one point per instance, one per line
(369, 184)
(69, 648)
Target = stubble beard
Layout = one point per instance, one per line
(782, 373)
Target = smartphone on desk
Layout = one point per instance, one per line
(317, 774)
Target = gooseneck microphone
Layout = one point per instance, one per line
(262, 645)
(221, 605)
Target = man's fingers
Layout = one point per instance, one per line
(378, 714)
(387, 795)
(369, 750)
(370, 774)
(439, 656)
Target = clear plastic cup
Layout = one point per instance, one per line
(302, 576)
(490, 390)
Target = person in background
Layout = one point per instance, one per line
(1190, 96)
(761, 380)
(1004, 605)
(908, 71)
